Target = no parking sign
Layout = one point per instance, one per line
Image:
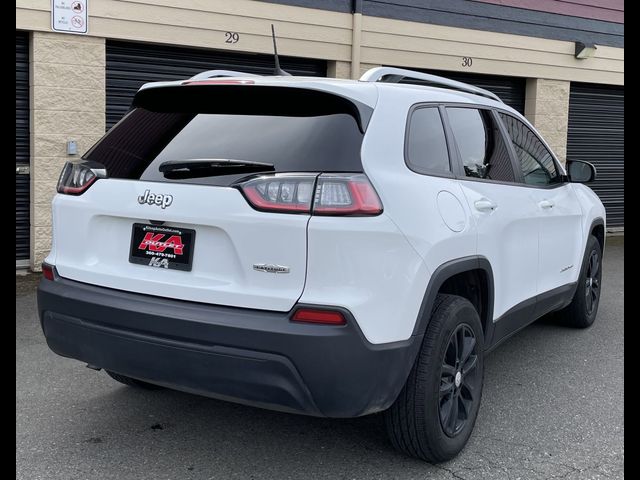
(69, 16)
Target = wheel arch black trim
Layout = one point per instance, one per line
(599, 221)
(443, 273)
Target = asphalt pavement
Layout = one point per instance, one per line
(553, 407)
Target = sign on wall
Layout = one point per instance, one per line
(69, 16)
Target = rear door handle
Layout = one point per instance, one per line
(546, 204)
(485, 205)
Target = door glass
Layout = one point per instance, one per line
(538, 166)
(426, 143)
(482, 148)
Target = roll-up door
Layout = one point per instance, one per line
(22, 148)
(129, 65)
(596, 135)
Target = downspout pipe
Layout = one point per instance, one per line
(356, 38)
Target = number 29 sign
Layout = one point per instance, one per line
(231, 37)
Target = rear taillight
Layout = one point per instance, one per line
(47, 271)
(316, 315)
(284, 193)
(345, 195)
(77, 177)
(324, 194)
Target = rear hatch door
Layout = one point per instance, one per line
(160, 226)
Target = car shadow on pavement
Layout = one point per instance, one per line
(175, 431)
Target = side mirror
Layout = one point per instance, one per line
(580, 172)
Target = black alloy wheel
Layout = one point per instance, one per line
(433, 416)
(592, 282)
(583, 308)
(459, 380)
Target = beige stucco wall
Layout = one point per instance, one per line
(302, 32)
(67, 90)
(547, 107)
(314, 33)
(420, 45)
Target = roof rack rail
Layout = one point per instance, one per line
(221, 73)
(396, 75)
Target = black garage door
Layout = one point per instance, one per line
(596, 135)
(511, 90)
(129, 65)
(22, 147)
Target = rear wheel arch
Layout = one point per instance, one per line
(452, 278)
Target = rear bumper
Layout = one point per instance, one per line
(248, 356)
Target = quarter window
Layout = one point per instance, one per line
(481, 145)
(536, 162)
(426, 143)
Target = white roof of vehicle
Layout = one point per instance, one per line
(365, 91)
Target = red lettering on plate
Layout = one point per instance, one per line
(155, 243)
(150, 240)
(175, 242)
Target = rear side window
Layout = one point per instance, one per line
(481, 145)
(536, 162)
(312, 134)
(426, 143)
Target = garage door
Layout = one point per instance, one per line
(129, 65)
(596, 135)
(511, 90)
(22, 149)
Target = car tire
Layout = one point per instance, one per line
(132, 382)
(583, 309)
(417, 423)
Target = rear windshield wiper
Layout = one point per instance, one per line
(211, 167)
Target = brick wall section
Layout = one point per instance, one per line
(67, 91)
(547, 108)
(343, 69)
(339, 69)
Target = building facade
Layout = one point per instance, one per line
(538, 56)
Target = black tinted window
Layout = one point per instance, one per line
(426, 143)
(294, 130)
(482, 148)
(538, 167)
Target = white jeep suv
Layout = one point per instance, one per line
(328, 247)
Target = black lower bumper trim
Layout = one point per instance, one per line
(249, 356)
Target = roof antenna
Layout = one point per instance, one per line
(278, 71)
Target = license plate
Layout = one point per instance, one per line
(162, 247)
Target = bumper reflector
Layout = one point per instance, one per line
(312, 315)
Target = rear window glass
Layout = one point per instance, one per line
(311, 140)
(426, 143)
